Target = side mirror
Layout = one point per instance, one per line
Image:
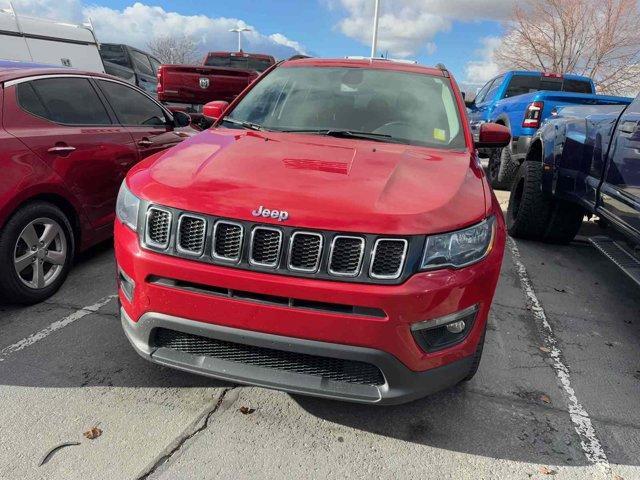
(470, 103)
(214, 110)
(181, 119)
(464, 96)
(493, 135)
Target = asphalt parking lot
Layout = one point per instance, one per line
(557, 394)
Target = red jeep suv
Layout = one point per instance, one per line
(67, 139)
(332, 234)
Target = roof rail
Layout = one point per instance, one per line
(440, 66)
(397, 60)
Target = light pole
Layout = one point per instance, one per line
(239, 31)
(376, 18)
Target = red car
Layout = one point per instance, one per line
(332, 234)
(67, 139)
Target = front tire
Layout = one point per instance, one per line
(532, 215)
(502, 169)
(36, 252)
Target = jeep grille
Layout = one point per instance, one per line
(282, 249)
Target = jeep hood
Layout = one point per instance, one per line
(322, 182)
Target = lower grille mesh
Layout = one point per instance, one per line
(336, 369)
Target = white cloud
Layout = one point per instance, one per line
(408, 27)
(138, 23)
(478, 72)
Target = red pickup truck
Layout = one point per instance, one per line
(222, 76)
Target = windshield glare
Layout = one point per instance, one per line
(410, 108)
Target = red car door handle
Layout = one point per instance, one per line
(60, 149)
(145, 142)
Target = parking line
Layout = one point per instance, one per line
(591, 446)
(57, 325)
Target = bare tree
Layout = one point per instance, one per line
(597, 38)
(174, 49)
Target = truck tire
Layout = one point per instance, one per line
(532, 215)
(502, 169)
(46, 259)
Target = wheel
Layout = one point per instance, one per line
(36, 253)
(534, 216)
(476, 359)
(502, 169)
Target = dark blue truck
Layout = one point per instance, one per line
(522, 100)
(583, 161)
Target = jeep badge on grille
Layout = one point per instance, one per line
(281, 215)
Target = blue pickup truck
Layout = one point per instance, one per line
(583, 161)
(522, 100)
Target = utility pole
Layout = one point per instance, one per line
(239, 31)
(376, 18)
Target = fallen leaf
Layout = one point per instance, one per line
(547, 471)
(545, 349)
(246, 410)
(609, 344)
(617, 477)
(545, 398)
(560, 290)
(93, 433)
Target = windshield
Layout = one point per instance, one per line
(393, 106)
(241, 63)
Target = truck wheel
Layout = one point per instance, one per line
(502, 169)
(36, 252)
(529, 210)
(533, 216)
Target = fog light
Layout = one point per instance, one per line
(456, 327)
(442, 332)
(126, 284)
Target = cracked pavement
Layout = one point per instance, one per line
(510, 422)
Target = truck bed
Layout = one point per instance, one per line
(197, 85)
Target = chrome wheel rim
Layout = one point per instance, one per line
(40, 253)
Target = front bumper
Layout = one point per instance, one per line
(384, 341)
(400, 384)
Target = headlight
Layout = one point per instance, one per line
(461, 248)
(127, 207)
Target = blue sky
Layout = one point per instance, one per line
(459, 33)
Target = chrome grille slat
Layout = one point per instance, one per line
(227, 240)
(346, 255)
(265, 246)
(305, 251)
(388, 258)
(158, 227)
(191, 234)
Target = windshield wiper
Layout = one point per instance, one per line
(378, 137)
(248, 125)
